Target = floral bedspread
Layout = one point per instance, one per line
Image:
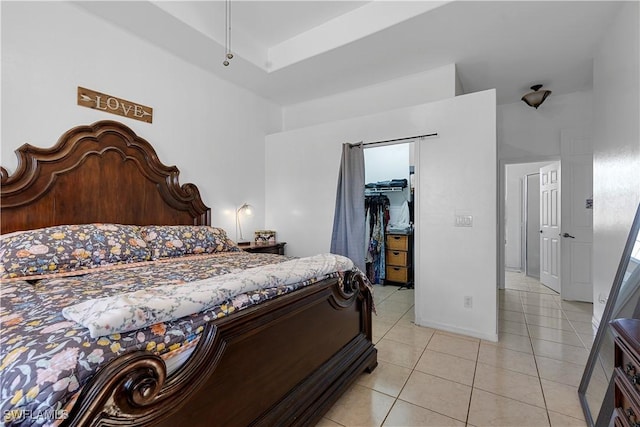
(130, 311)
(45, 359)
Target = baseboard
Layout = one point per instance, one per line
(456, 330)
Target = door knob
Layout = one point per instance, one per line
(567, 235)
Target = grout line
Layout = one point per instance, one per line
(535, 361)
(473, 381)
(407, 380)
(414, 366)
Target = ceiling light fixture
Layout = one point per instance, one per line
(227, 33)
(537, 97)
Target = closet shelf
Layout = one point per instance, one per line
(378, 190)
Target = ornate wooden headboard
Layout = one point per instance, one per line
(103, 172)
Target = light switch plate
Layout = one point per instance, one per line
(464, 221)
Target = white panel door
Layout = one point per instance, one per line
(577, 216)
(550, 226)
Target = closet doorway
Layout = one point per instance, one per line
(389, 214)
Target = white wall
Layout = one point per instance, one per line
(211, 130)
(527, 133)
(456, 175)
(616, 162)
(302, 172)
(301, 177)
(383, 163)
(514, 216)
(415, 89)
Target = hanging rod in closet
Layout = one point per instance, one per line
(396, 140)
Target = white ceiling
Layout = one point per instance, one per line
(293, 51)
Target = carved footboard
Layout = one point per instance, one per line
(284, 362)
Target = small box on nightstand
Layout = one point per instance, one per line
(265, 236)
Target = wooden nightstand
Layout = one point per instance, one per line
(263, 248)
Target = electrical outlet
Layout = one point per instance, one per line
(468, 302)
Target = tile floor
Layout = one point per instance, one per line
(427, 377)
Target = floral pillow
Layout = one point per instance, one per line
(66, 248)
(178, 240)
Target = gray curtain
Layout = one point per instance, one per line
(348, 221)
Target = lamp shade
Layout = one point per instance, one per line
(537, 97)
(246, 208)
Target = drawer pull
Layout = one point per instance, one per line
(630, 369)
(631, 416)
(396, 253)
(396, 237)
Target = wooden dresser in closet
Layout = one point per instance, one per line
(626, 373)
(399, 258)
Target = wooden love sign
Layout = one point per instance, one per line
(101, 101)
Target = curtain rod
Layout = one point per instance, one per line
(396, 140)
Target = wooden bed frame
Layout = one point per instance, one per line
(284, 362)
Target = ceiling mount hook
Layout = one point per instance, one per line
(227, 33)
